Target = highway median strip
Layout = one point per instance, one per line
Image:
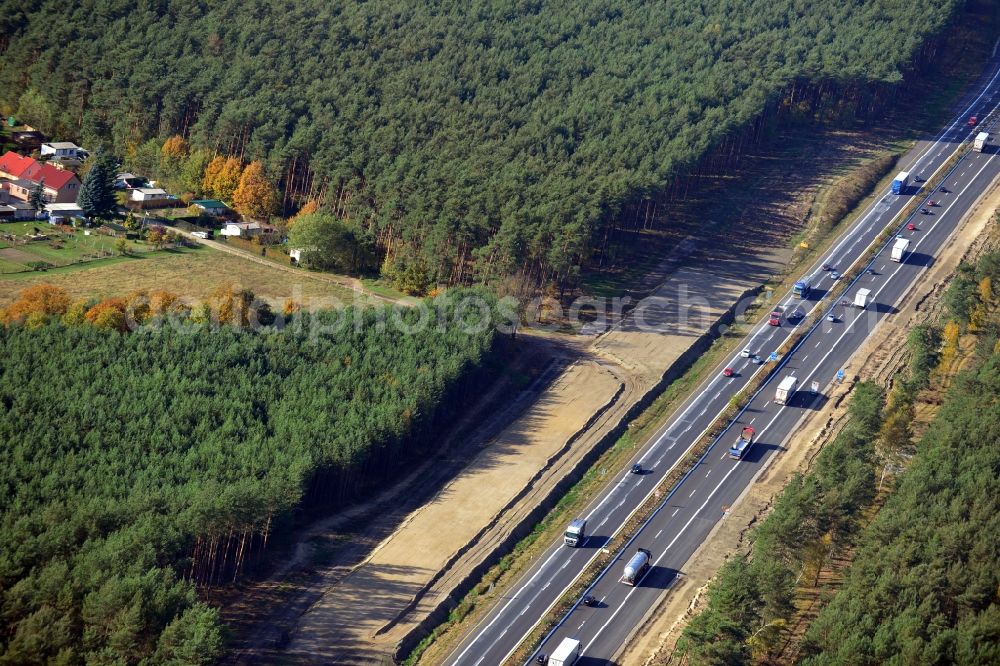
(712, 433)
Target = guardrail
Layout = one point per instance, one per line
(703, 444)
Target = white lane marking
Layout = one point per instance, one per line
(524, 611)
(917, 161)
(752, 420)
(805, 358)
(707, 473)
(733, 468)
(693, 492)
(658, 534)
(675, 512)
(683, 529)
(818, 343)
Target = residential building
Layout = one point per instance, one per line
(129, 181)
(62, 150)
(58, 185)
(247, 229)
(20, 189)
(151, 197)
(64, 210)
(149, 194)
(212, 207)
(27, 139)
(14, 166)
(16, 210)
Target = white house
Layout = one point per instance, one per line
(62, 150)
(66, 210)
(149, 194)
(242, 229)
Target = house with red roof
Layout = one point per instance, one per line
(14, 166)
(58, 185)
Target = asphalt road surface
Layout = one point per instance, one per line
(686, 516)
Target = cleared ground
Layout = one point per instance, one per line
(690, 288)
(368, 600)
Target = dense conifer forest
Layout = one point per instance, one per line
(138, 466)
(924, 587)
(464, 140)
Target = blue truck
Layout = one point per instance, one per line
(802, 288)
(742, 445)
(901, 182)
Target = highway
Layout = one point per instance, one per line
(693, 507)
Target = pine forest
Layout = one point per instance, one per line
(482, 141)
(137, 467)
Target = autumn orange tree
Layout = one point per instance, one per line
(109, 314)
(308, 208)
(255, 196)
(164, 302)
(222, 177)
(238, 307)
(40, 302)
(175, 148)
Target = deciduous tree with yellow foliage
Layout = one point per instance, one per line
(222, 177)
(43, 300)
(255, 196)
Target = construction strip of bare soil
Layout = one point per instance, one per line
(879, 359)
(377, 597)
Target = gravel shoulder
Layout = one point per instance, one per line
(879, 359)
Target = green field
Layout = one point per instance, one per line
(60, 246)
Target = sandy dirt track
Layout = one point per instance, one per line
(368, 600)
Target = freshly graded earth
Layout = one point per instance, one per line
(360, 608)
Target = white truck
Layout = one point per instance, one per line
(901, 182)
(982, 140)
(576, 533)
(636, 567)
(566, 653)
(786, 389)
(863, 298)
(899, 249)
